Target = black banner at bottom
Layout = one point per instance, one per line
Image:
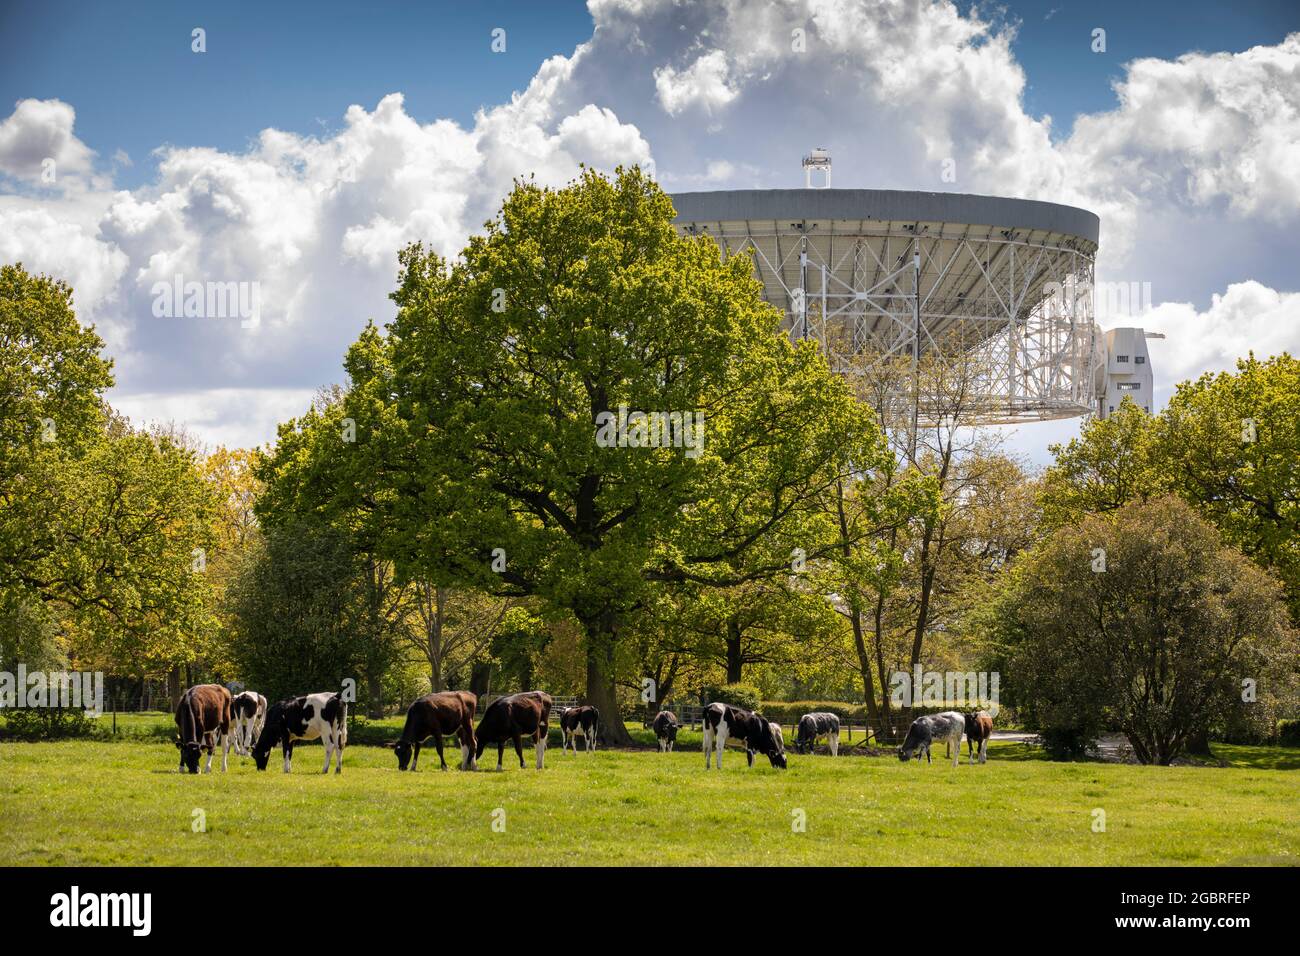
(142, 906)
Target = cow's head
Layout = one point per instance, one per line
(271, 732)
(403, 751)
(189, 755)
(774, 744)
(917, 735)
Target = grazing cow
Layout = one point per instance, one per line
(203, 721)
(665, 728)
(521, 715)
(249, 712)
(309, 717)
(579, 720)
(723, 720)
(979, 727)
(948, 727)
(814, 725)
(448, 712)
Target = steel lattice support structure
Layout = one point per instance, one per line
(935, 276)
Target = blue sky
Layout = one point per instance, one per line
(129, 70)
(396, 122)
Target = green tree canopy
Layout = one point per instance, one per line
(477, 418)
(1158, 644)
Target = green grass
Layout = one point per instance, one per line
(89, 802)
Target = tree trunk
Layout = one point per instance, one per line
(864, 668)
(601, 693)
(734, 661)
(1199, 744)
(885, 732)
(434, 635)
(375, 704)
(478, 678)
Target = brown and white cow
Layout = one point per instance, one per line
(447, 712)
(579, 720)
(521, 715)
(665, 727)
(309, 717)
(203, 722)
(979, 727)
(757, 733)
(248, 711)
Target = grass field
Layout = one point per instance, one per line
(88, 802)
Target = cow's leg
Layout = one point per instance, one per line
(519, 748)
(564, 740)
(541, 749)
(225, 751)
(415, 755)
(956, 752)
(470, 758)
(327, 742)
(708, 746)
(340, 738)
(835, 744)
(501, 749)
(749, 756)
(720, 742)
(984, 750)
(210, 744)
(437, 742)
(288, 756)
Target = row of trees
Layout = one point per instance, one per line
(446, 517)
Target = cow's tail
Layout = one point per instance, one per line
(343, 721)
(188, 733)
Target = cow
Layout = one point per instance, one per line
(814, 725)
(724, 720)
(526, 714)
(203, 723)
(665, 727)
(947, 726)
(579, 720)
(312, 716)
(448, 712)
(979, 727)
(249, 712)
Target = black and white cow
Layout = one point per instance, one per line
(947, 726)
(248, 711)
(323, 716)
(579, 720)
(814, 725)
(526, 714)
(665, 727)
(724, 720)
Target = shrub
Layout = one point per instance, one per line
(738, 695)
(1288, 733)
(1067, 743)
(40, 723)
